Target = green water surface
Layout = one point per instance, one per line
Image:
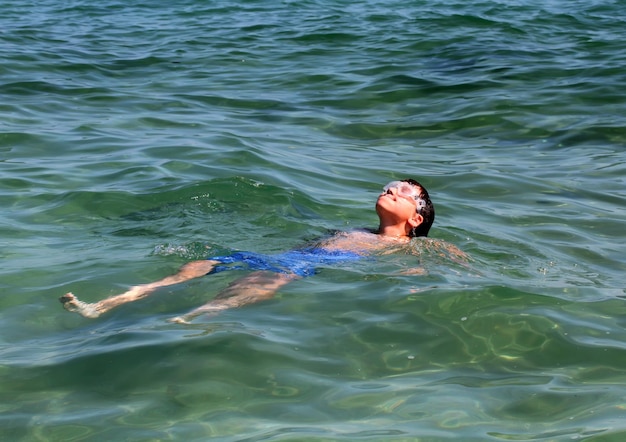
(137, 136)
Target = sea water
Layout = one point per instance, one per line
(136, 136)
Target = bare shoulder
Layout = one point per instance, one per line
(440, 248)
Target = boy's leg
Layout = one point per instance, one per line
(257, 286)
(189, 271)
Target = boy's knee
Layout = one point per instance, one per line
(197, 268)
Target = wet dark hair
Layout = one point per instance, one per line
(425, 208)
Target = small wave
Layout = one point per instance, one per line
(194, 250)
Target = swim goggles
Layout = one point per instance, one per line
(406, 190)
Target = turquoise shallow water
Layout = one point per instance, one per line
(136, 136)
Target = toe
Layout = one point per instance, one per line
(68, 297)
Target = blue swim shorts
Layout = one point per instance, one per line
(302, 262)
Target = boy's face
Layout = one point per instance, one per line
(396, 203)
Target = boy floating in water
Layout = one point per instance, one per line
(404, 210)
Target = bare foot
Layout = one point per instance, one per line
(205, 310)
(72, 304)
(178, 320)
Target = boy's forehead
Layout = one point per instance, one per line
(404, 185)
